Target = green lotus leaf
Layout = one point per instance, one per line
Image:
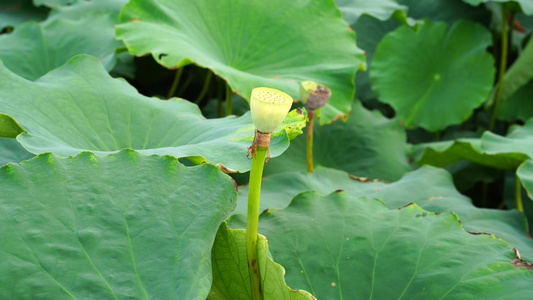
(342, 247)
(518, 106)
(436, 76)
(519, 141)
(370, 31)
(526, 5)
(379, 9)
(81, 8)
(516, 79)
(446, 10)
(67, 233)
(67, 112)
(54, 3)
(33, 49)
(442, 154)
(231, 279)
(368, 145)
(12, 151)
(14, 12)
(429, 187)
(525, 173)
(273, 43)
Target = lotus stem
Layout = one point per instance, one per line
(220, 92)
(314, 96)
(268, 107)
(174, 85)
(503, 67)
(205, 87)
(309, 146)
(229, 94)
(261, 143)
(518, 194)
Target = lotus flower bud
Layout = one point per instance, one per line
(269, 108)
(314, 95)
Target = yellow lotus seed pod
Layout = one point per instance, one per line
(269, 108)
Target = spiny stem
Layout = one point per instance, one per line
(518, 194)
(175, 83)
(258, 162)
(205, 88)
(229, 94)
(310, 166)
(503, 66)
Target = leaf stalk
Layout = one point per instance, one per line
(174, 85)
(518, 194)
(503, 67)
(309, 146)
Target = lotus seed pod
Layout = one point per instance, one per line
(314, 95)
(269, 108)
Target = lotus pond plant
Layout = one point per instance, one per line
(135, 134)
(268, 108)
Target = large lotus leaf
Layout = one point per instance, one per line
(368, 144)
(231, 280)
(449, 11)
(32, 49)
(342, 247)
(379, 9)
(12, 151)
(431, 188)
(80, 8)
(14, 12)
(442, 154)
(526, 5)
(436, 76)
(54, 3)
(274, 43)
(80, 107)
(123, 226)
(519, 141)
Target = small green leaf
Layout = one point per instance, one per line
(9, 127)
(379, 9)
(231, 279)
(122, 226)
(435, 62)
